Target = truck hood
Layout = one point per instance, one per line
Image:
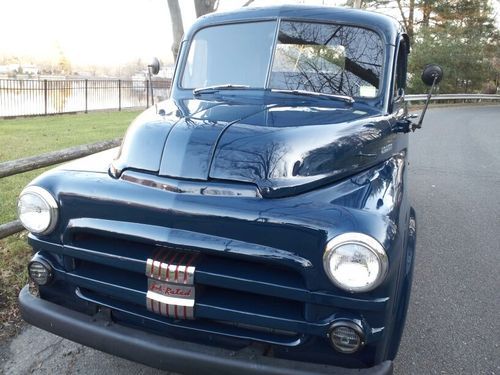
(279, 147)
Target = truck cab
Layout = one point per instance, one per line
(256, 221)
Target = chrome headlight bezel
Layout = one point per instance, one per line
(50, 203)
(45, 266)
(359, 239)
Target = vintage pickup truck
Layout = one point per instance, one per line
(258, 221)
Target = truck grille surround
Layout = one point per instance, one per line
(216, 296)
(244, 291)
(231, 293)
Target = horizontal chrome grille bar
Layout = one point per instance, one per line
(208, 277)
(199, 326)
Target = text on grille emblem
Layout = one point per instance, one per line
(171, 290)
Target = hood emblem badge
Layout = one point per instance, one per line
(171, 290)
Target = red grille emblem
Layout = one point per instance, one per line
(171, 290)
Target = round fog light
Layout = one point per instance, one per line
(346, 337)
(40, 272)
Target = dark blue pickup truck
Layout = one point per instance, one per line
(258, 221)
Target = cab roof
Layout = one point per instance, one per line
(387, 26)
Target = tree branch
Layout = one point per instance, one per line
(405, 21)
(177, 27)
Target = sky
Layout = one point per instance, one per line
(86, 31)
(95, 32)
(99, 32)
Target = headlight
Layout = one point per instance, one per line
(355, 262)
(37, 210)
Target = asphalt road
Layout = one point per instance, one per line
(453, 324)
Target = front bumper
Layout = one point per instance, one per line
(162, 352)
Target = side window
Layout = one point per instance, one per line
(401, 69)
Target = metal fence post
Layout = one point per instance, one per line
(119, 94)
(45, 94)
(86, 95)
(147, 94)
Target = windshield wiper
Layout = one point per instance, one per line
(345, 98)
(213, 89)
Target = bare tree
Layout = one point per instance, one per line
(408, 21)
(177, 27)
(203, 7)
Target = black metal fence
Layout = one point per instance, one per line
(44, 97)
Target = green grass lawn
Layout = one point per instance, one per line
(23, 137)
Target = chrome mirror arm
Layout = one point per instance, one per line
(418, 125)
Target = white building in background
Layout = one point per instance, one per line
(30, 69)
(166, 72)
(18, 69)
(140, 76)
(10, 68)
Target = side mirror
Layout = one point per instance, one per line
(432, 74)
(154, 67)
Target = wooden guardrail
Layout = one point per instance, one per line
(451, 97)
(13, 167)
(10, 228)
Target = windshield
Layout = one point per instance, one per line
(315, 57)
(237, 54)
